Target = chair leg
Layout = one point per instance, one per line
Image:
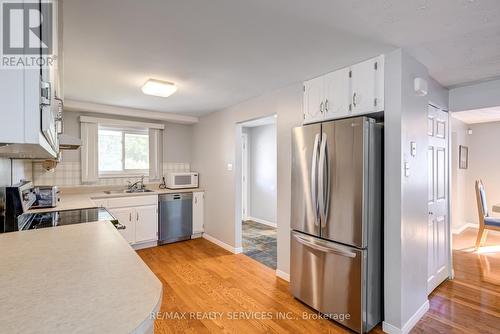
(481, 237)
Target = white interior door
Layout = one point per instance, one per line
(438, 237)
(244, 176)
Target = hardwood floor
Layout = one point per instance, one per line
(470, 303)
(199, 276)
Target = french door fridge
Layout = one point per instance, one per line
(336, 245)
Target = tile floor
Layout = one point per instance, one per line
(259, 242)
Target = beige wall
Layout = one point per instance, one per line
(217, 142)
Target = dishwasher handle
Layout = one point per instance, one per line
(175, 197)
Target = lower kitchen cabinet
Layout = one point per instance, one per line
(138, 214)
(124, 216)
(146, 224)
(198, 213)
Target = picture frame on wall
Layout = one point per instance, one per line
(463, 157)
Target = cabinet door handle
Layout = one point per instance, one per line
(130, 216)
(137, 216)
(326, 105)
(321, 107)
(354, 99)
(196, 200)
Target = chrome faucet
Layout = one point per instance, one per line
(136, 186)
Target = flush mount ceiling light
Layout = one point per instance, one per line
(159, 88)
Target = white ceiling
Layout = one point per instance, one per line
(484, 115)
(221, 52)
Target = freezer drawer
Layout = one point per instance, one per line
(328, 277)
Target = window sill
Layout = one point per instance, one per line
(122, 176)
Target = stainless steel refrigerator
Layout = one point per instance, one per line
(336, 237)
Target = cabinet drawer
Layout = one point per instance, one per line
(121, 202)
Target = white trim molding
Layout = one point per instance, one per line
(119, 122)
(281, 274)
(391, 329)
(144, 245)
(72, 105)
(261, 221)
(463, 227)
(234, 250)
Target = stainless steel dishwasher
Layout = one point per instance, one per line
(175, 217)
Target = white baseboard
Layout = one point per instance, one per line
(234, 250)
(145, 245)
(391, 329)
(281, 274)
(463, 227)
(262, 221)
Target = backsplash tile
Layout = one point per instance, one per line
(69, 174)
(21, 170)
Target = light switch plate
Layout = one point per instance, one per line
(413, 146)
(407, 169)
(229, 167)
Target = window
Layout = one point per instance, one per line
(123, 151)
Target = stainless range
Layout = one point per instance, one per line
(33, 221)
(20, 197)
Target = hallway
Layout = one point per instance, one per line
(259, 242)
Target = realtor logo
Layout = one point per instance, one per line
(26, 33)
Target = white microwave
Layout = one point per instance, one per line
(182, 180)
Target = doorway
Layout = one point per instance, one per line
(476, 157)
(259, 190)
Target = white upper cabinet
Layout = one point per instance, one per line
(337, 93)
(314, 100)
(367, 96)
(354, 90)
(30, 111)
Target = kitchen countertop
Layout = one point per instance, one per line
(82, 197)
(81, 278)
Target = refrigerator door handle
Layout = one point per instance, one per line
(324, 191)
(322, 248)
(314, 178)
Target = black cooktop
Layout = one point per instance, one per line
(32, 221)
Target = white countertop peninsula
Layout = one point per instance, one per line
(81, 278)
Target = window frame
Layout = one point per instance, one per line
(124, 172)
